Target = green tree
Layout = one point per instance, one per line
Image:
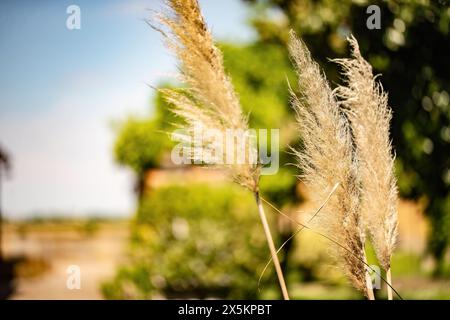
(194, 241)
(411, 52)
(142, 142)
(140, 147)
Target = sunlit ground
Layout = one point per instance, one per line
(41, 252)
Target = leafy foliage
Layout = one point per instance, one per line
(193, 241)
(139, 145)
(409, 51)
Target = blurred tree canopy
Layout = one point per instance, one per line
(139, 146)
(411, 51)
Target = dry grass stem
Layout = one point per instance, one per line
(300, 229)
(271, 244)
(389, 281)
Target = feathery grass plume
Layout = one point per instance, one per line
(366, 105)
(209, 101)
(327, 158)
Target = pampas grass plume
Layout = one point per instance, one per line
(326, 159)
(366, 105)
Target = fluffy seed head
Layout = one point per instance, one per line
(366, 105)
(326, 159)
(208, 99)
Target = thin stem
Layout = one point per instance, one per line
(335, 242)
(298, 230)
(369, 286)
(273, 252)
(389, 280)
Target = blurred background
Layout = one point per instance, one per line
(85, 171)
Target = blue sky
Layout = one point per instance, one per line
(60, 90)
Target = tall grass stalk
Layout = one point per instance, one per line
(389, 287)
(270, 242)
(370, 294)
(208, 99)
(335, 242)
(300, 229)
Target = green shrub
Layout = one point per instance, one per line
(194, 242)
